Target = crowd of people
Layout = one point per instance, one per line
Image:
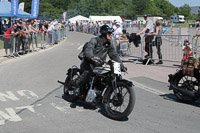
(22, 36)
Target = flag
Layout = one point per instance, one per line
(21, 6)
(35, 8)
(64, 15)
(14, 8)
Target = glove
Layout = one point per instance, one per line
(96, 61)
(123, 68)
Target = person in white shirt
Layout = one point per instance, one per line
(117, 34)
(51, 36)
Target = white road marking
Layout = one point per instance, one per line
(80, 47)
(27, 107)
(22, 93)
(11, 116)
(9, 95)
(65, 108)
(149, 89)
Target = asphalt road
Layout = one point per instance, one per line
(31, 99)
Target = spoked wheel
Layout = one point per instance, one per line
(121, 105)
(69, 88)
(187, 83)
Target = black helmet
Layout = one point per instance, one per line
(106, 29)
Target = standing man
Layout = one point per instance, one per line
(148, 39)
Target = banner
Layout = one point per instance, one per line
(64, 16)
(35, 8)
(21, 6)
(14, 8)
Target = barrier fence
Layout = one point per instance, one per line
(22, 44)
(172, 42)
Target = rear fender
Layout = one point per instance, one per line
(72, 69)
(172, 77)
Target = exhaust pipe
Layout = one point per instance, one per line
(184, 92)
(61, 82)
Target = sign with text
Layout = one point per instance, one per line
(35, 8)
(14, 8)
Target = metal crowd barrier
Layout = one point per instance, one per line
(171, 48)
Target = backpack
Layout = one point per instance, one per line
(188, 65)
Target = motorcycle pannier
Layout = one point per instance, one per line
(188, 65)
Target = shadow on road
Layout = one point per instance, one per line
(172, 97)
(90, 106)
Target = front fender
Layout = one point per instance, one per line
(128, 82)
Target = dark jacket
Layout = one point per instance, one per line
(96, 48)
(135, 39)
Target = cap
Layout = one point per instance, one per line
(20, 21)
(29, 20)
(123, 19)
(117, 23)
(145, 15)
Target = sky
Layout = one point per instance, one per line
(179, 3)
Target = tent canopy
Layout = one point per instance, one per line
(78, 18)
(106, 18)
(5, 11)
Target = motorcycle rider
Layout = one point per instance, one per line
(94, 54)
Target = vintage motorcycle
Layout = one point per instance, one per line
(185, 83)
(107, 87)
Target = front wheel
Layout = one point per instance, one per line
(120, 106)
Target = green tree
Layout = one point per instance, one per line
(185, 10)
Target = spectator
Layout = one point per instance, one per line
(27, 38)
(8, 39)
(42, 30)
(148, 39)
(51, 36)
(4, 27)
(186, 49)
(20, 36)
(117, 34)
(124, 26)
(158, 40)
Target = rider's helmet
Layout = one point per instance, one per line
(106, 29)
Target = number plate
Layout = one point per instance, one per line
(117, 68)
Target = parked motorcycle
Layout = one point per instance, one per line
(106, 86)
(185, 83)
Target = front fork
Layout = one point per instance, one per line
(114, 86)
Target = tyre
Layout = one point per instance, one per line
(186, 83)
(69, 88)
(120, 106)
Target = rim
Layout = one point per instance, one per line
(187, 83)
(118, 104)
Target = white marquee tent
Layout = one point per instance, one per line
(78, 18)
(106, 18)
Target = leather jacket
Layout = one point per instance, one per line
(96, 48)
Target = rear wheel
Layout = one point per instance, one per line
(120, 106)
(69, 88)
